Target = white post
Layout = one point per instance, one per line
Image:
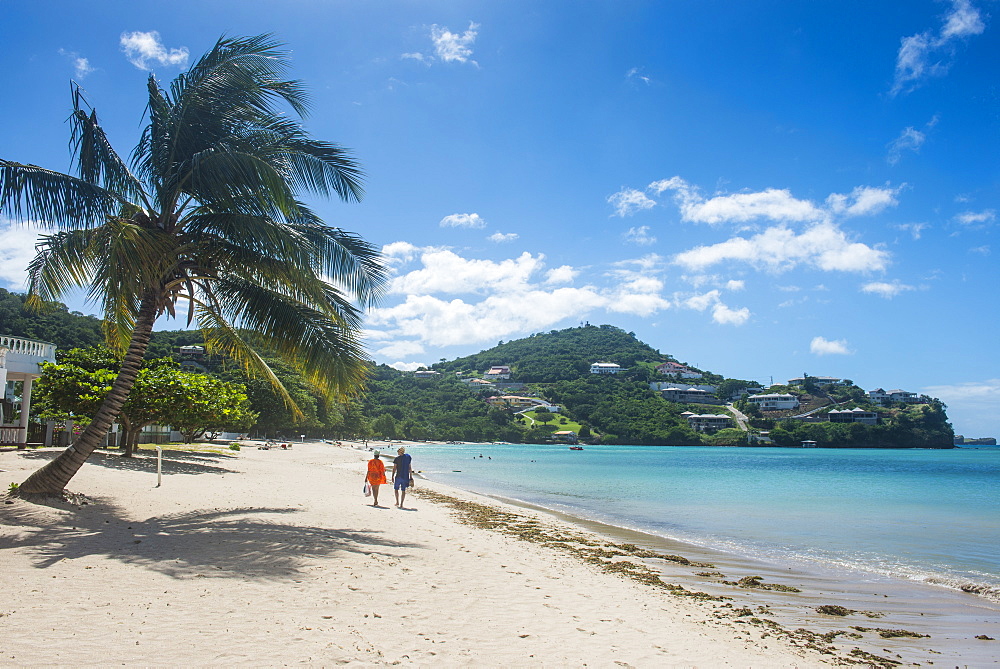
(159, 467)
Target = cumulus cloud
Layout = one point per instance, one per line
(143, 48)
(735, 285)
(640, 236)
(444, 271)
(822, 346)
(452, 47)
(561, 274)
(778, 205)
(886, 290)
(726, 316)
(17, 248)
(451, 300)
(822, 246)
(972, 405)
(81, 65)
(463, 221)
(629, 200)
(926, 54)
(501, 237)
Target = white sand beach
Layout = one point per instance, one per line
(275, 557)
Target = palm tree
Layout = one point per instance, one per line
(205, 217)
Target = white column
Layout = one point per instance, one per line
(22, 432)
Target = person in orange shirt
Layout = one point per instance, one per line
(376, 475)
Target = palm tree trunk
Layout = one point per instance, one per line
(53, 477)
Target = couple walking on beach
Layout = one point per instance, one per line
(402, 475)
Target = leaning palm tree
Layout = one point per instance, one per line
(204, 220)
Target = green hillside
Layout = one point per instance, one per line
(559, 355)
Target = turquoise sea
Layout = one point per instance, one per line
(921, 515)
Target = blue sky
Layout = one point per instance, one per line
(761, 189)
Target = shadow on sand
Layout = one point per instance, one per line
(234, 543)
(174, 462)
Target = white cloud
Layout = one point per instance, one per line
(17, 248)
(973, 406)
(463, 221)
(639, 236)
(635, 74)
(81, 66)
(915, 229)
(143, 47)
(414, 56)
(735, 285)
(454, 48)
(909, 140)
(977, 219)
(863, 201)
(925, 54)
(408, 366)
(501, 237)
(821, 346)
(702, 301)
(401, 349)
(773, 204)
(886, 290)
(726, 316)
(399, 252)
(823, 246)
(561, 274)
(981, 250)
(629, 200)
(444, 271)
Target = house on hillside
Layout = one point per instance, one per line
(689, 396)
(854, 415)
(707, 423)
(519, 403)
(605, 368)
(677, 369)
(565, 436)
(497, 372)
(774, 401)
(884, 397)
(818, 380)
(426, 374)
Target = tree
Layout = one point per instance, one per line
(205, 216)
(163, 393)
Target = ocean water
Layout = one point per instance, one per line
(921, 515)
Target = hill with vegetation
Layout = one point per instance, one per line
(552, 366)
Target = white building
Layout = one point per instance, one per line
(818, 380)
(677, 369)
(708, 422)
(605, 368)
(855, 415)
(497, 372)
(883, 397)
(774, 401)
(20, 360)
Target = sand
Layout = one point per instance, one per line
(274, 557)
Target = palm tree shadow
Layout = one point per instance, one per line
(235, 543)
(172, 462)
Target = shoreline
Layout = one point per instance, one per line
(950, 619)
(284, 541)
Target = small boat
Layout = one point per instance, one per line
(576, 448)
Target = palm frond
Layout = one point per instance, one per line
(32, 193)
(97, 161)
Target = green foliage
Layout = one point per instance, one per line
(53, 323)
(915, 426)
(234, 446)
(559, 355)
(12, 488)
